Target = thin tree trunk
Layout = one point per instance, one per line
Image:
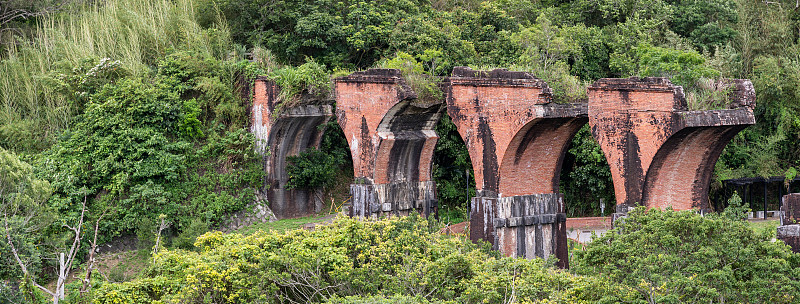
(87, 281)
(19, 261)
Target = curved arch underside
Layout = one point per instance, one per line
(402, 176)
(407, 139)
(289, 136)
(533, 159)
(680, 173)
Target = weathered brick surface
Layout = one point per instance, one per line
(391, 141)
(283, 134)
(512, 129)
(789, 231)
(790, 234)
(659, 153)
(516, 137)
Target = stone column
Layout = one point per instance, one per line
(789, 230)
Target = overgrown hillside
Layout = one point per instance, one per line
(138, 110)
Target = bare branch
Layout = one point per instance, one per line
(10, 13)
(90, 264)
(18, 259)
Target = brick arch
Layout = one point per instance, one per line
(532, 162)
(290, 136)
(680, 173)
(391, 141)
(516, 137)
(407, 140)
(657, 150)
(284, 132)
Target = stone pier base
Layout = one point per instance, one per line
(789, 230)
(528, 226)
(790, 234)
(398, 198)
(481, 214)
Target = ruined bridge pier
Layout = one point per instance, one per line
(282, 132)
(516, 137)
(391, 137)
(660, 153)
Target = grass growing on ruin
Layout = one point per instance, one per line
(424, 84)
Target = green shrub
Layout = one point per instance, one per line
(546, 49)
(355, 261)
(185, 240)
(736, 209)
(23, 210)
(312, 169)
(171, 143)
(681, 256)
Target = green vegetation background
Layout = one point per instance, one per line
(140, 108)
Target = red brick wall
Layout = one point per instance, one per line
(791, 209)
(489, 114)
(659, 153)
(284, 134)
(376, 110)
(681, 171)
(360, 107)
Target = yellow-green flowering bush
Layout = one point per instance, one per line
(350, 261)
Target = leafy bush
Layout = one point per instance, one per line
(23, 208)
(736, 209)
(545, 50)
(311, 169)
(141, 149)
(680, 256)
(355, 261)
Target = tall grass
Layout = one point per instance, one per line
(135, 32)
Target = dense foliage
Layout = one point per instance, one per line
(155, 132)
(651, 257)
(353, 259)
(680, 256)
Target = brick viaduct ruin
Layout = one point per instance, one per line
(660, 153)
